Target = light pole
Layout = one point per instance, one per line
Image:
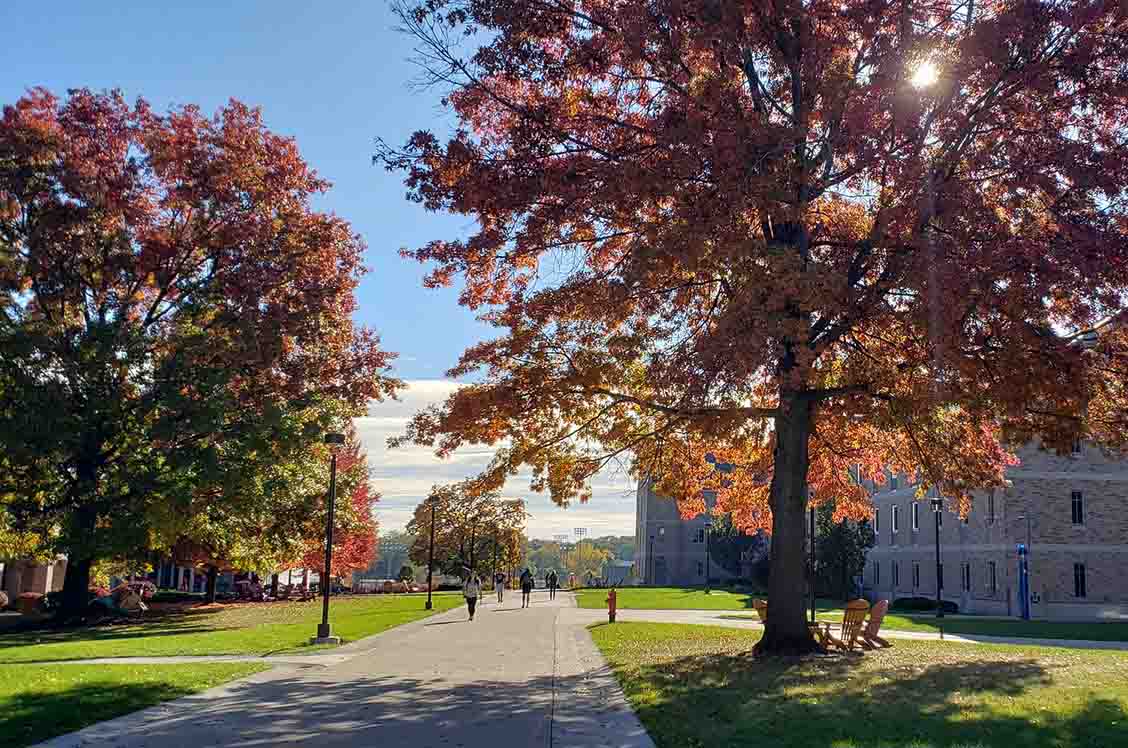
(812, 564)
(1024, 571)
(431, 551)
(324, 631)
(708, 531)
(651, 575)
(937, 507)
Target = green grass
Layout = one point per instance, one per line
(676, 598)
(249, 628)
(1105, 632)
(41, 701)
(697, 686)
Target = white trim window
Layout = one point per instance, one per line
(896, 518)
(916, 516)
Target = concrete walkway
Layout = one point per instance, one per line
(512, 677)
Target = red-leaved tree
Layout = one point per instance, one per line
(175, 322)
(355, 530)
(805, 235)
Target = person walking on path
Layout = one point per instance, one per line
(552, 582)
(526, 587)
(471, 590)
(499, 585)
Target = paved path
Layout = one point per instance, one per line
(512, 677)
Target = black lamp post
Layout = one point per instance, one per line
(937, 507)
(708, 530)
(324, 631)
(431, 552)
(651, 575)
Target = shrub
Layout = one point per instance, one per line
(903, 604)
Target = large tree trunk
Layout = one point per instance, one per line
(274, 586)
(786, 632)
(76, 589)
(209, 591)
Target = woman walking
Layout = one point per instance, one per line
(526, 587)
(499, 585)
(552, 582)
(471, 590)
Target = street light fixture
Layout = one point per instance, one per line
(708, 532)
(433, 501)
(1024, 571)
(937, 507)
(324, 631)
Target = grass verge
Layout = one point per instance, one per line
(971, 626)
(697, 686)
(677, 598)
(41, 701)
(248, 628)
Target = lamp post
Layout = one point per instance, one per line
(650, 577)
(937, 507)
(431, 552)
(1024, 571)
(324, 631)
(812, 563)
(708, 531)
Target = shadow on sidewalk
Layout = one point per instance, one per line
(361, 711)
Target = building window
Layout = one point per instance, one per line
(1076, 446)
(896, 573)
(1079, 580)
(893, 482)
(700, 569)
(876, 573)
(965, 577)
(877, 520)
(992, 581)
(699, 535)
(916, 517)
(916, 575)
(895, 517)
(661, 532)
(991, 508)
(1078, 507)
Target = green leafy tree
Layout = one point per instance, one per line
(170, 303)
(840, 549)
(729, 545)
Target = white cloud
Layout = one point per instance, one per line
(404, 476)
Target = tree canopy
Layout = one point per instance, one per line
(806, 236)
(175, 318)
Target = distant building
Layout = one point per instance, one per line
(1069, 510)
(17, 576)
(671, 550)
(617, 572)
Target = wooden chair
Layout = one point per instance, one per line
(853, 619)
(761, 607)
(871, 633)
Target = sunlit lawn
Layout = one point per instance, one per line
(988, 626)
(675, 598)
(249, 628)
(38, 702)
(698, 686)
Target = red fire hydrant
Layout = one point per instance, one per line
(612, 599)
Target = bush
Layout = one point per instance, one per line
(448, 587)
(172, 596)
(910, 604)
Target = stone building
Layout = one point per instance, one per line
(1071, 511)
(671, 550)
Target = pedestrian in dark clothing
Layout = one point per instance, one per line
(499, 585)
(552, 582)
(526, 587)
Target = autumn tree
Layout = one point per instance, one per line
(354, 522)
(172, 310)
(585, 560)
(804, 235)
(474, 529)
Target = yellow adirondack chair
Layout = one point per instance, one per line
(761, 607)
(853, 620)
(871, 634)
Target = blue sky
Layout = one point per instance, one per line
(334, 75)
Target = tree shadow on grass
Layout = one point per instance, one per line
(721, 701)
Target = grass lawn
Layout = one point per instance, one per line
(247, 628)
(1106, 632)
(698, 686)
(41, 701)
(677, 598)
